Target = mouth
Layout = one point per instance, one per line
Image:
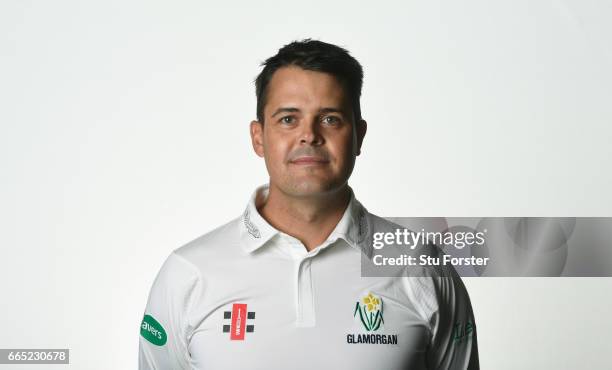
(309, 160)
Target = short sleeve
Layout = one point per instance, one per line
(164, 330)
(454, 343)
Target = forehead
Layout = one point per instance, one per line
(297, 86)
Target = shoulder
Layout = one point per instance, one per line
(221, 243)
(380, 224)
(191, 264)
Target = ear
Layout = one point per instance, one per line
(257, 132)
(361, 127)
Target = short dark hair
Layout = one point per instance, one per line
(316, 56)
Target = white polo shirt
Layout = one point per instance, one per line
(247, 296)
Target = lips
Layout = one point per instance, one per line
(309, 160)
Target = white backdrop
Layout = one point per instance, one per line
(124, 135)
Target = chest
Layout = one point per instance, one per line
(288, 314)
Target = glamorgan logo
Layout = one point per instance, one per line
(152, 331)
(369, 310)
(238, 325)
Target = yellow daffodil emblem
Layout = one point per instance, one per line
(370, 310)
(371, 302)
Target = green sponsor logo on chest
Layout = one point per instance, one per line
(152, 331)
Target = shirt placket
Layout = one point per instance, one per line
(304, 285)
(304, 295)
(305, 312)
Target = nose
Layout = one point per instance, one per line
(310, 133)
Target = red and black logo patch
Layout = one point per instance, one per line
(238, 324)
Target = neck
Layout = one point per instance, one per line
(309, 219)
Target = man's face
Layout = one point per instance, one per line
(308, 139)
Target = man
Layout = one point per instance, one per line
(280, 287)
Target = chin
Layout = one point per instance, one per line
(310, 188)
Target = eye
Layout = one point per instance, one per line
(331, 120)
(287, 119)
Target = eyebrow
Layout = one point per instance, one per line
(289, 109)
(322, 110)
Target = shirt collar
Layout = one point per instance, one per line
(255, 231)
